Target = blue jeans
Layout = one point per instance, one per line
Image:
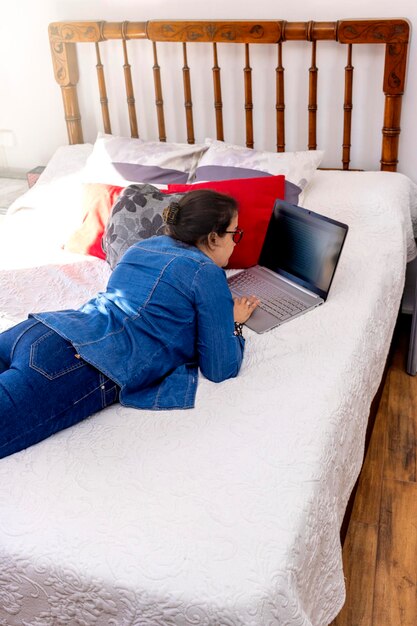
(44, 386)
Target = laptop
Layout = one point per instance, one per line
(296, 266)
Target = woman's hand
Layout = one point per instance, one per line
(244, 307)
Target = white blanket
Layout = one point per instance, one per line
(227, 514)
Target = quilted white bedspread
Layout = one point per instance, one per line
(227, 514)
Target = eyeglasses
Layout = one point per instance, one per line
(237, 234)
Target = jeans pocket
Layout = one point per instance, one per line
(52, 356)
(109, 391)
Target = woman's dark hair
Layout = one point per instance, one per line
(197, 214)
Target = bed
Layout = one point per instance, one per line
(229, 513)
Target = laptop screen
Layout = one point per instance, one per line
(303, 246)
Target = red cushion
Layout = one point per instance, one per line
(256, 197)
(98, 200)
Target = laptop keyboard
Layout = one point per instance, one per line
(273, 299)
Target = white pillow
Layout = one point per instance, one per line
(59, 186)
(123, 160)
(224, 161)
(40, 220)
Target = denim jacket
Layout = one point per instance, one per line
(167, 310)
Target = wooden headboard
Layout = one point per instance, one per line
(393, 33)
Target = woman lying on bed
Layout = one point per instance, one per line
(167, 310)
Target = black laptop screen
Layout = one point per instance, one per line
(303, 246)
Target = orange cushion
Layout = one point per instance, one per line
(98, 200)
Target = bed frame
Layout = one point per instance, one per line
(393, 33)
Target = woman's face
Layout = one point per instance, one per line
(222, 246)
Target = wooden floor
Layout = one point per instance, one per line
(380, 551)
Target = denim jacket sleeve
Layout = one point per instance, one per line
(220, 351)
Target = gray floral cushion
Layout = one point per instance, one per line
(137, 215)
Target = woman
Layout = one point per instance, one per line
(166, 312)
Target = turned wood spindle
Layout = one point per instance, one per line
(247, 72)
(312, 100)
(280, 102)
(130, 98)
(159, 102)
(103, 92)
(347, 108)
(188, 103)
(218, 104)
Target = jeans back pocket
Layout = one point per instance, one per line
(53, 356)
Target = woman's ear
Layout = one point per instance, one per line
(212, 239)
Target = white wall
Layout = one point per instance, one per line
(30, 100)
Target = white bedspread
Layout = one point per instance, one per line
(227, 514)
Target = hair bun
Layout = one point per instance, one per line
(170, 213)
